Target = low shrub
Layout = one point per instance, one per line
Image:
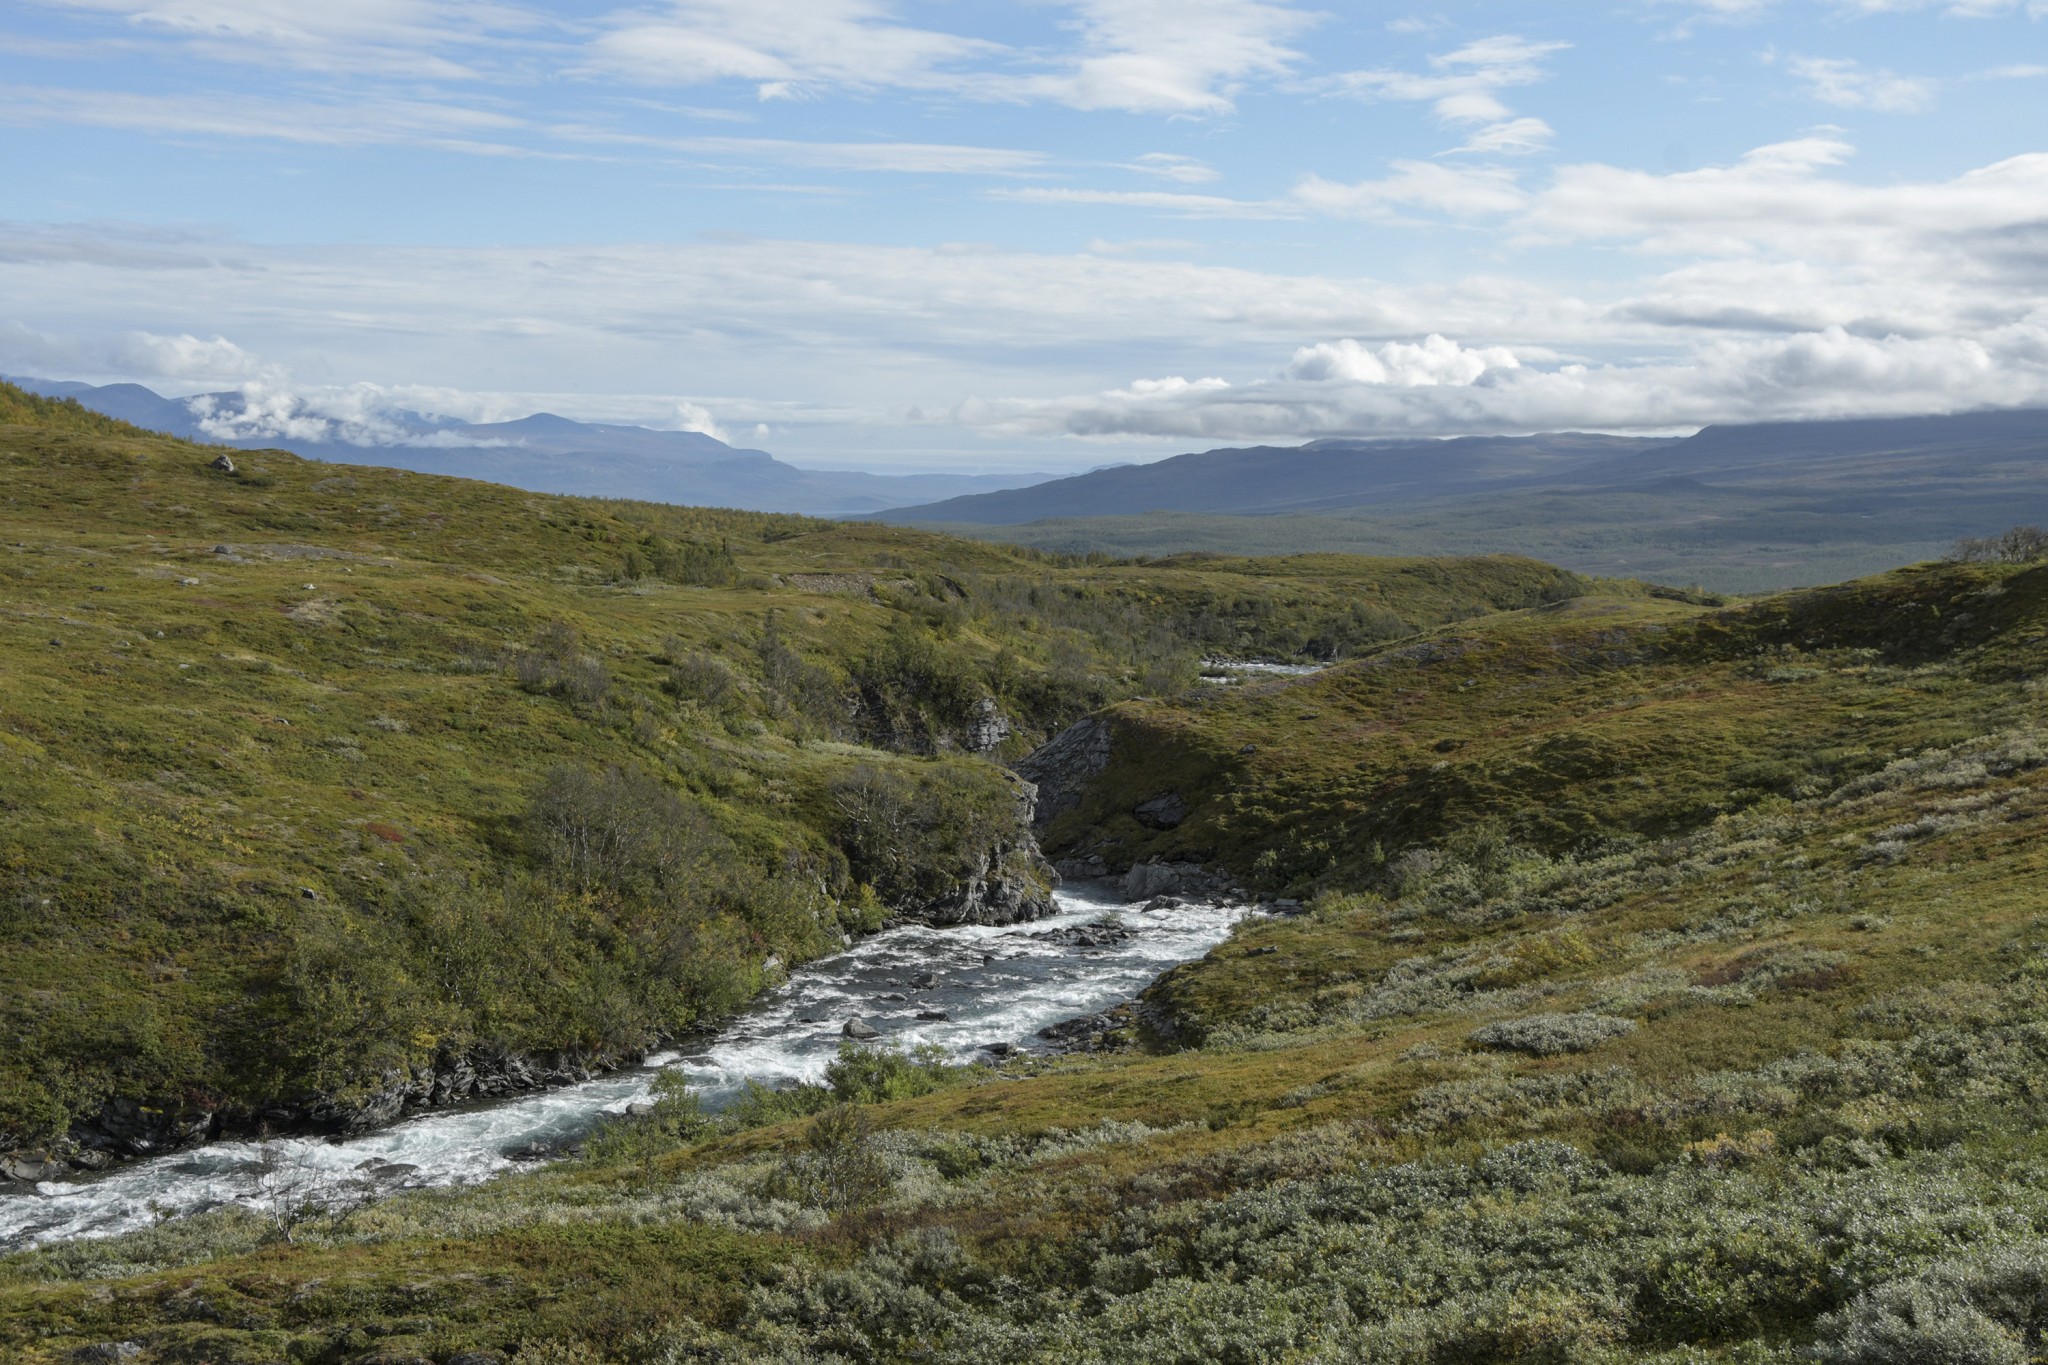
(1547, 1035)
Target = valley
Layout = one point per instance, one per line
(1650, 975)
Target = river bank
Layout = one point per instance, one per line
(972, 991)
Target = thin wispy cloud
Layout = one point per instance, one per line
(1464, 88)
(1848, 84)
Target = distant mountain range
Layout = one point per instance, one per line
(1859, 460)
(1739, 508)
(550, 454)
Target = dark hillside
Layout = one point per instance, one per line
(1259, 480)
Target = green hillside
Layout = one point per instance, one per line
(1669, 988)
(314, 776)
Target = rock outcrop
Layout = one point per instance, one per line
(1147, 880)
(1064, 765)
(1012, 885)
(1164, 811)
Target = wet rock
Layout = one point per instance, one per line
(1147, 880)
(1065, 765)
(860, 1029)
(924, 981)
(934, 1016)
(1098, 935)
(127, 1127)
(532, 1151)
(29, 1169)
(639, 1109)
(1084, 868)
(1165, 811)
(893, 997)
(90, 1159)
(1001, 1049)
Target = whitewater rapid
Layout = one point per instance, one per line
(996, 985)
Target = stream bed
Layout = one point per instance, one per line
(994, 985)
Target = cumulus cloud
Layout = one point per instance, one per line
(1829, 373)
(1435, 360)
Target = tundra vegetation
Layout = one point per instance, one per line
(1670, 983)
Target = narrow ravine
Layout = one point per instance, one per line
(995, 985)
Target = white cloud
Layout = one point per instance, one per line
(1143, 56)
(1829, 373)
(360, 122)
(1434, 360)
(1170, 201)
(783, 47)
(1849, 85)
(1512, 137)
(386, 37)
(1459, 191)
(1463, 89)
(1168, 56)
(1184, 170)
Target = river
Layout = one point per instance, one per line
(996, 985)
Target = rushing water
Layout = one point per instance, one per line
(995, 985)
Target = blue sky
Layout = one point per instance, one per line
(1032, 235)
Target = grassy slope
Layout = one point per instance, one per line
(1796, 846)
(252, 820)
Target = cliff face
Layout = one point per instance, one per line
(1062, 767)
(1014, 885)
(1009, 881)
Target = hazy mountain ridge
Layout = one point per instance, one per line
(1338, 476)
(546, 453)
(1740, 508)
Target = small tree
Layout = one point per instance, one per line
(293, 1191)
(2020, 545)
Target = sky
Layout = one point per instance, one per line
(1046, 235)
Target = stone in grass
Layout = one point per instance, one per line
(223, 464)
(860, 1029)
(108, 1351)
(1547, 1035)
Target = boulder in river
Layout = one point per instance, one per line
(860, 1029)
(29, 1168)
